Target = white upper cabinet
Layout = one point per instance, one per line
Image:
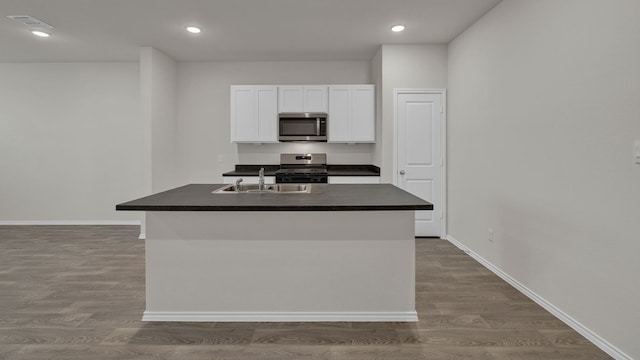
(254, 113)
(363, 112)
(290, 99)
(352, 114)
(308, 98)
(339, 119)
(255, 108)
(315, 99)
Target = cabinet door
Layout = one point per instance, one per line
(266, 112)
(354, 179)
(339, 122)
(315, 98)
(243, 125)
(302, 98)
(290, 99)
(363, 110)
(352, 113)
(254, 114)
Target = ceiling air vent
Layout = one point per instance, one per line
(30, 21)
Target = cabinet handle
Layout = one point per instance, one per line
(401, 172)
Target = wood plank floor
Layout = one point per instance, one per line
(77, 292)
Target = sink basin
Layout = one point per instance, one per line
(268, 189)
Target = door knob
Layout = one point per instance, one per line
(401, 172)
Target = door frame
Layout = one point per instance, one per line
(443, 138)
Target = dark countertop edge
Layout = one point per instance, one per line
(353, 167)
(346, 198)
(271, 208)
(241, 167)
(252, 170)
(249, 173)
(353, 170)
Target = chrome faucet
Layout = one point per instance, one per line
(261, 179)
(238, 185)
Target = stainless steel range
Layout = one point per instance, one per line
(302, 168)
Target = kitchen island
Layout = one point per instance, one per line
(337, 253)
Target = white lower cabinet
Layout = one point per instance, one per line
(354, 179)
(248, 179)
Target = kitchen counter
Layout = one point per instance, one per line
(323, 197)
(332, 170)
(252, 170)
(339, 253)
(353, 170)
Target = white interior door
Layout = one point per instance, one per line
(420, 154)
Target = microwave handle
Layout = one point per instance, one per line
(318, 126)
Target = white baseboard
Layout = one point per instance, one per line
(189, 316)
(70, 222)
(562, 316)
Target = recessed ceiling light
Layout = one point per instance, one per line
(397, 28)
(194, 29)
(40, 33)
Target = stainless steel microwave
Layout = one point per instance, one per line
(302, 127)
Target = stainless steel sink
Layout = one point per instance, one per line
(268, 189)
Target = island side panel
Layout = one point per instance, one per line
(280, 266)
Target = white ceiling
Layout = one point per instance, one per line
(241, 30)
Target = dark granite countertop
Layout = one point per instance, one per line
(323, 197)
(332, 170)
(252, 170)
(353, 170)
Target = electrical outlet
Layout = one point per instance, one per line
(490, 234)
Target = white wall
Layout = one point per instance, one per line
(404, 66)
(204, 147)
(69, 141)
(543, 109)
(376, 79)
(78, 138)
(158, 82)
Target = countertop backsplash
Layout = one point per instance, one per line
(336, 153)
